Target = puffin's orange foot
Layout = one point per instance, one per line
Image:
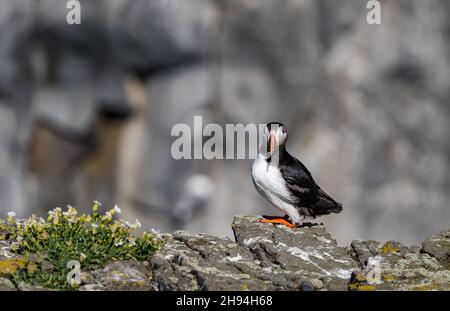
(277, 220)
(285, 217)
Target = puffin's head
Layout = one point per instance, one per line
(275, 136)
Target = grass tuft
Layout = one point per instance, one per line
(44, 248)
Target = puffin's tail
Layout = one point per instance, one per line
(327, 204)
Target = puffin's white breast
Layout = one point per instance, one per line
(270, 183)
(268, 178)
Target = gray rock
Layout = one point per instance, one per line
(26, 287)
(438, 246)
(6, 285)
(309, 252)
(365, 249)
(179, 33)
(260, 56)
(128, 275)
(202, 262)
(264, 257)
(91, 288)
(268, 257)
(397, 267)
(5, 249)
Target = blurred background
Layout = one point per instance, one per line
(86, 110)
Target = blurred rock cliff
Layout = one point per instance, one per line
(86, 111)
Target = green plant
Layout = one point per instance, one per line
(44, 247)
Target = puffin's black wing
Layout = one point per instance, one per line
(298, 180)
(310, 197)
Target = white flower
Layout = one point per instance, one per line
(71, 212)
(117, 209)
(82, 256)
(155, 231)
(137, 223)
(120, 243)
(97, 203)
(11, 214)
(126, 223)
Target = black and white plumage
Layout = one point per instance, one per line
(286, 182)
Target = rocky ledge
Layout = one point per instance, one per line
(272, 257)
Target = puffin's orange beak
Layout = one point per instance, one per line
(271, 142)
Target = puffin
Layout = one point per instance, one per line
(286, 183)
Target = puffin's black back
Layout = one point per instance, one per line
(310, 198)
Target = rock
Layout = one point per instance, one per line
(307, 287)
(264, 257)
(273, 257)
(6, 285)
(397, 267)
(365, 249)
(61, 87)
(26, 287)
(130, 275)
(261, 257)
(91, 288)
(5, 250)
(308, 251)
(202, 262)
(439, 247)
(179, 33)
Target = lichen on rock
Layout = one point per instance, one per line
(438, 246)
(261, 257)
(394, 266)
